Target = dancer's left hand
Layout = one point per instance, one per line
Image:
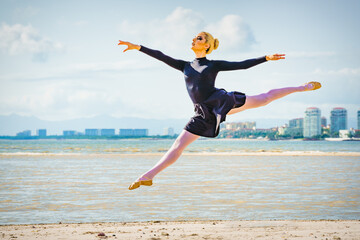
(275, 57)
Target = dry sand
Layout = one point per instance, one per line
(326, 230)
(225, 153)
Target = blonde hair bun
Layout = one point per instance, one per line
(216, 43)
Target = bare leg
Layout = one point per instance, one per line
(175, 151)
(266, 98)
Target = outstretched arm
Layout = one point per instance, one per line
(175, 63)
(226, 66)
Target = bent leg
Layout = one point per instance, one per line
(266, 98)
(182, 141)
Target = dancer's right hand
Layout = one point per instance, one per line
(129, 45)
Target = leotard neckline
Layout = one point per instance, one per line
(202, 58)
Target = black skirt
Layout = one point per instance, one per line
(210, 113)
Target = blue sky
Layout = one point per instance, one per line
(60, 60)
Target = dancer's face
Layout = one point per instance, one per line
(199, 43)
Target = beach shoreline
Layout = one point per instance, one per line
(219, 153)
(156, 230)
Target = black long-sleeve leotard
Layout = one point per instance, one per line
(200, 74)
(211, 104)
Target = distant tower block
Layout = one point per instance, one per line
(312, 122)
(338, 119)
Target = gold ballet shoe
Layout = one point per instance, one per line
(310, 86)
(137, 184)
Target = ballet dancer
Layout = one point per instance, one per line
(211, 105)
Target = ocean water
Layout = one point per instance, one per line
(50, 181)
(131, 146)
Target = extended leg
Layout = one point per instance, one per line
(175, 151)
(266, 98)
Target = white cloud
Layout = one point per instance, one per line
(339, 72)
(175, 31)
(232, 32)
(310, 54)
(110, 66)
(26, 12)
(19, 39)
(77, 72)
(61, 100)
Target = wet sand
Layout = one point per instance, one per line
(156, 230)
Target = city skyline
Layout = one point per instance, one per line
(91, 132)
(61, 63)
(310, 125)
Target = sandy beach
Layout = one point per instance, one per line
(156, 230)
(250, 153)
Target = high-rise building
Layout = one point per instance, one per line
(133, 132)
(358, 118)
(92, 132)
(67, 133)
(107, 132)
(140, 132)
(41, 132)
(240, 125)
(127, 132)
(338, 120)
(296, 127)
(312, 122)
(169, 131)
(323, 122)
(296, 123)
(25, 133)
